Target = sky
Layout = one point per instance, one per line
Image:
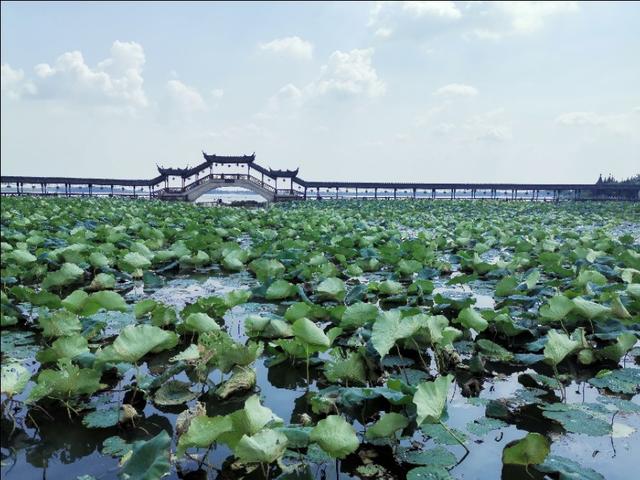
(370, 91)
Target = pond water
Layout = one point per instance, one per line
(42, 448)
(37, 444)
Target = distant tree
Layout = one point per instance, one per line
(633, 180)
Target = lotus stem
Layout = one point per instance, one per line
(307, 352)
(406, 378)
(450, 432)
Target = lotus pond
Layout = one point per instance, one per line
(407, 339)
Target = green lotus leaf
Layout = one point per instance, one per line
(189, 354)
(266, 269)
(61, 323)
(577, 420)
(174, 392)
(144, 307)
(115, 447)
(390, 327)
(225, 353)
(135, 260)
(75, 301)
(350, 370)
(624, 342)
(280, 289)
(567, 469)
(506, 286)
(431, 472)
(22, 257)
(199, 323)
(309, 333)
(439, 457)
(14, 378)
(590, 276)
(588, 309)
(149, 460)
(335, 436)
(493, 350)
(530, 450)
(390, 287)
(67, 381)
(242, 379)
(134, 342)
(99, 260)
(103, 281)
(358, 315)
(64, 347)
(387, 426)
(102, 418)
(202, 432)
(558, 346)
(484, 425)
(441, 435)
(471, 318)
(331, 288)
(110, 301)
(623, 380)
(266, 446)
(431, 399)
(556, 309)
(68, 274)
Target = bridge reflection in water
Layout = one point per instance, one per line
(188, 184)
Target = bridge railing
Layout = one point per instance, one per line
(230, 177)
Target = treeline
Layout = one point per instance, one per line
(634, 180)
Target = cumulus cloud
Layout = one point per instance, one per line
(477, 20)
(445, 10)
(116, 80)
(217, 93)
(349, 74)
(456, 90)
(527, 17)
(185, 98)
(392, 17)
(13, 83)
(292, 47)
(521, 18)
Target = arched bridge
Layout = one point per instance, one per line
(286, 185)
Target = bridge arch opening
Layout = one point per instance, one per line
(230, 196)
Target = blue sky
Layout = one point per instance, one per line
(437, 91)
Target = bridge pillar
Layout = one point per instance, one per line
(394, 193)
(375, 193)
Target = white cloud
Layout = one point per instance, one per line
(391, 17)
(217, 93)
(503, 19)
(349, 74)
(13, 83)
(384, 32)
(527, 17)
(293, 47)
(456, 90)
(494, 133)
(579, 118)
(445, 10)
(620, 123)
(288, 97)
(185, 98)
(115, 81)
